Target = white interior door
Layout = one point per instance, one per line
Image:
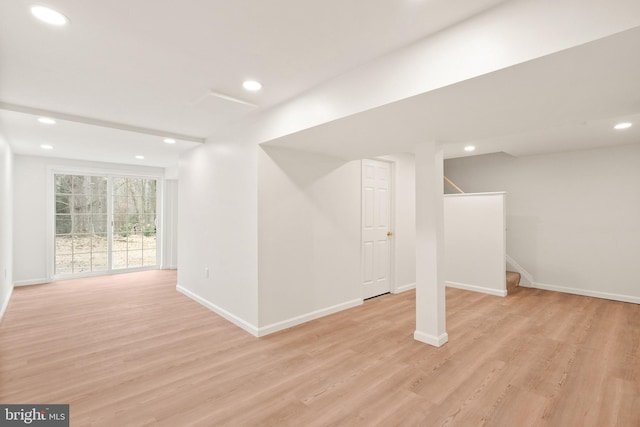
(376, 231)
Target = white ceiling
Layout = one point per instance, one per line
(124, 74)
(566, 101)
(80, 141)
(151, 64)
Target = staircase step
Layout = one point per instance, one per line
(513, 280)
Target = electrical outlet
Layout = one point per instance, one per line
(206, 272)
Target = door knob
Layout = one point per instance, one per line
(389, 234)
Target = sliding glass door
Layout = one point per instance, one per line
(81, 240)
(134, 223)
(104, 223)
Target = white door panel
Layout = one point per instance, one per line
(376, 208)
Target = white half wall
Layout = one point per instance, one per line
(218, 229)
(474, 241)
(6, 223)
(30, 211)
(309, 236)
(572, 217)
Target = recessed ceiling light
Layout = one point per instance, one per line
(140, 157)
(252, 85)
(469, 148)
(46, 121)
(49, 16)
(169, 140)
(46, 147)
(620, 126)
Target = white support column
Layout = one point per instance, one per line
(430, 289)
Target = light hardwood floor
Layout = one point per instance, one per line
(129, 350)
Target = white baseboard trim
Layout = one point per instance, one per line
(404, 288)
(31, 282)
(285, 324)
(5, 304)
(474, 288)
(431, 339)
(220, 311)
(586, 293)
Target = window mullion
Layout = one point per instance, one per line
(110, 221)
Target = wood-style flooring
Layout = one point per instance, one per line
(128, 350)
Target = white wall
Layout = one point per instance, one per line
(303, 209)
(404, 231)
(309, 236)
(219, 197)
(217, 225)
(170, 230)
(30, 211)
(6, 223)
(474, 242)
(572, 218)
(309, 233)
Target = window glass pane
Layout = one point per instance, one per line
(81, 184)
(97, 204)
(79, 204)
(81, 263)
(63, 264)
(63, 184)
(81, 243)
(63, 204)
(149, 196)
(99, 261)
(149, 225)
(138, 226)
(134, 258)
(119, 204)
(121, 225)
(134, 242)
(98, 224)
(120, 187)
(81, 224)
(133, 204)
(63, 224)
(89, 203)
(64, 244)
(99, 243)
(119, 243)
(119, 259)
(149, 231)
(99, 185)
(123, 230)
(149, 242)
(149, 258)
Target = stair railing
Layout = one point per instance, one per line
(453, 185)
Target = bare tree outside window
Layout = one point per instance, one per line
(81, 223)
(134, 213)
